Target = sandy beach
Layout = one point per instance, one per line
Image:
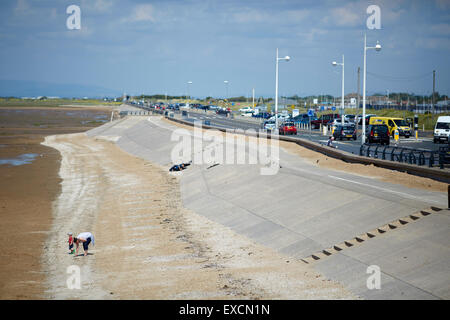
(148, 246)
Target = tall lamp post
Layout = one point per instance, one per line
(253, 99)
(189, 83)
(286, 58)
(343, 79)
(226, 88)
(377, 48)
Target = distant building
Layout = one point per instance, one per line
(444, 103)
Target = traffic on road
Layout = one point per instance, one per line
(344, 131)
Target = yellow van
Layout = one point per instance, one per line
(393, 123)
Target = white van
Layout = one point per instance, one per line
(442, 129)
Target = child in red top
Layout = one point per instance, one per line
(71, 250)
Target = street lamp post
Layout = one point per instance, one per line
(343, 80)
(377, 48)
(226, 88)
(188, 83)
(253, 99)
(287, 58)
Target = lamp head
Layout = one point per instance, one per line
(287, 58)
(334, 63)
(378, 46)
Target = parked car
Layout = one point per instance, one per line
(281, 117)
(264, 115)
(223, 112)
(442, 129)
(393, 124)
(347, 131)
(350, 117)
(377, 133)
(269, 125)
(303, 118)
(337, 122)
(324, 119)
(287, 128)
(246, 109)
(202, 107)
(368, 116)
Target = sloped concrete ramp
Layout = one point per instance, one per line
(304, 209)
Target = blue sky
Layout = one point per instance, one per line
(158, 46)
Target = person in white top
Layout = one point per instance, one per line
(85, 238)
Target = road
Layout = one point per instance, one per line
(350, 146)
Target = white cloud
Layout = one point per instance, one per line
(296, 15)
(441, 29)
(433, 43)
(22, 7)
(53, 13)
(443, 4)
(143, 12)
(248, 15)
(97, 5)
(346, 17)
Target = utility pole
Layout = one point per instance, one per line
(358, 90)
(253, 98)
(389, 105)
(432, 100)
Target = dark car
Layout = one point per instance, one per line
(377, 133)
(223, 112)
(304, 118)
(264, 115)
(324, 120)
(368, 116)
(347, 131)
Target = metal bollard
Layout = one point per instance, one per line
(448, 189)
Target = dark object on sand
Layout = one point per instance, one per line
(179, 167)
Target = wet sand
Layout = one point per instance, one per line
(27, 192)
(26, 213)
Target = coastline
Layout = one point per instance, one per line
(28, 192)
(26, 203)
(148, 246)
